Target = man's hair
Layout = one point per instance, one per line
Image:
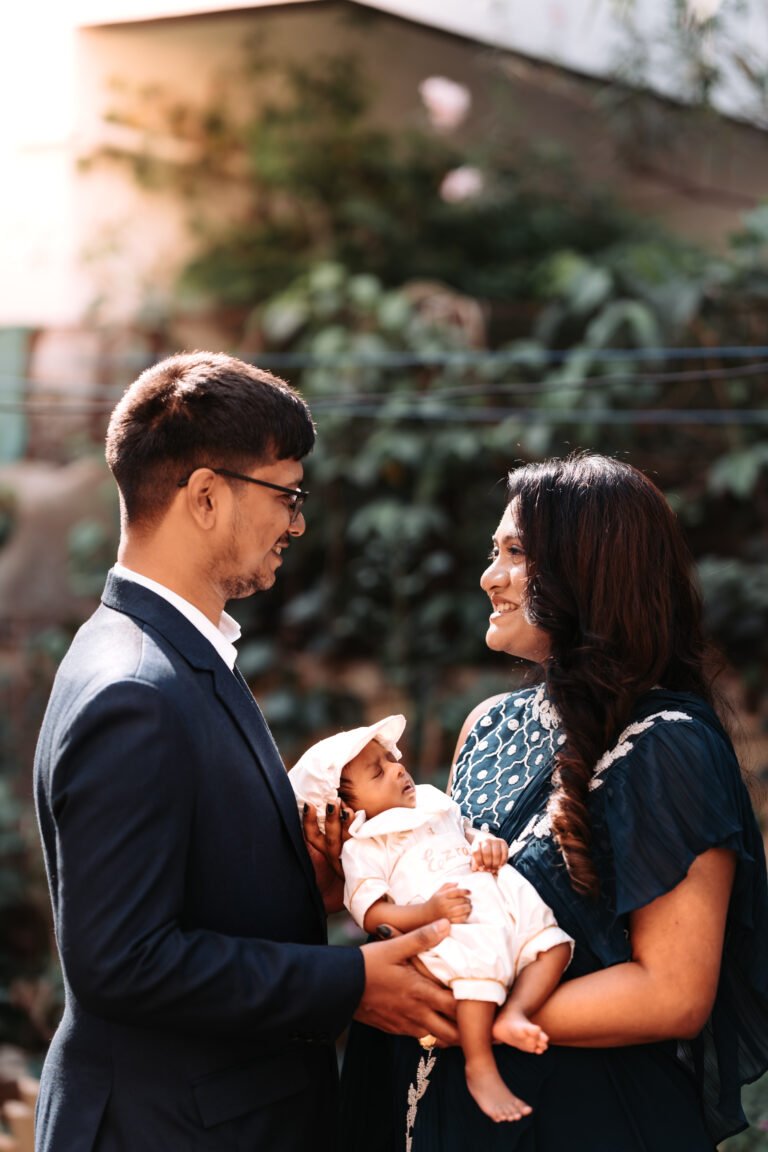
(194, 410)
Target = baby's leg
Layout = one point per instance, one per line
(534, 985)
(475, 1020)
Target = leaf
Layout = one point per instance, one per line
(738, 472)
(636, 318)
(283, 318)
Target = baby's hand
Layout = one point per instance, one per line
(489, 854)
(450, 902)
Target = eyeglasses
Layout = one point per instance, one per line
(298, 495)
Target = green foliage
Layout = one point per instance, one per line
(755, 1138)
(318, 180)
(350, 260)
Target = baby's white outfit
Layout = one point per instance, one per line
(408, 853)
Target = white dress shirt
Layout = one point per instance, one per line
(223, 638)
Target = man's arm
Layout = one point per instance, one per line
(123, 817)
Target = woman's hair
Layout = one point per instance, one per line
(610, 582)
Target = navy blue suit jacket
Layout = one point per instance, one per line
(201, 998)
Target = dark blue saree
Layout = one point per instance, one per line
(669, 790)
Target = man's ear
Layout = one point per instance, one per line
(203, 493)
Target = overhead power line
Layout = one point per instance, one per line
(21, 396)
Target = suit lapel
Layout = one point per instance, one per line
(232, 691)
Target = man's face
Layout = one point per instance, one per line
(257, 530)
(378, 782)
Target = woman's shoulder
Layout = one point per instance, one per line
(672, 733)
(481, 710)
(668, 790)
(505, 708)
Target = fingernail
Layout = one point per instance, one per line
(344, 814)
(329, 809)
(384, 931)
(306, 809)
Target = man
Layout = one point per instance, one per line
(201, 998)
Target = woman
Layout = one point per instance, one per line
(621, 798)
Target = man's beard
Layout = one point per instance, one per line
(237, 585)
(240, 587)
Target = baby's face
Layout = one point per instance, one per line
(378, 781)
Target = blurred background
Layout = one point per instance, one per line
(472, 234)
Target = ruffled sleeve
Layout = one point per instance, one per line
(670, 790)
(365, 876)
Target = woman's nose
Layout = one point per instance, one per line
(493, 577)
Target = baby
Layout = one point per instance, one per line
(411, 858)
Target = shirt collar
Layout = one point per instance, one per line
(222, 637)
(430, 802)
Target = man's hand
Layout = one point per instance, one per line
(325, 851)
(398, 998)
(450, 902)
(489, 853)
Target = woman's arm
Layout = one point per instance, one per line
(667, 989)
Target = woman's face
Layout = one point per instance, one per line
(505, 582)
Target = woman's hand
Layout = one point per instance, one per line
(325, 851)
(489, 853)
(449, 902)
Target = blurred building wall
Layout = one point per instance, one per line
(82, 241)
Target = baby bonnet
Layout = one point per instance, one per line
(315, 777)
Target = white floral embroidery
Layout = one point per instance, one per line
(543, 710)
(538, 826)
(524, 836)
(624, 744)
(415, 1093)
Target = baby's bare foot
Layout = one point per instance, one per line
(492, 1095)
(513, 1028)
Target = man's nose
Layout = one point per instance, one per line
(298, 527)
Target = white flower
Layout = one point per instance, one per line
(461, 184)
(701, 11)
(447, 103)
